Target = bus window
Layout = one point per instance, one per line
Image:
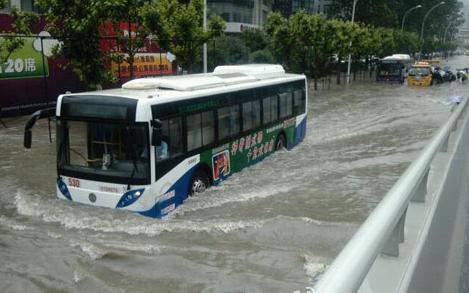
(247, 116)
(172, 135)
(251, 115)
(274, 107)
(286, 105)
(228, 121)
(194, 135)
(200, 130)
(208, 128)
(267, 114)
(256, 113)
(299, 102)
(270, 109)
(105, 139)
(77, 143)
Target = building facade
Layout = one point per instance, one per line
(288, 7)
(26, 5)
(463, 30)
(240, 15)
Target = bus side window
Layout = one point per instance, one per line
(208, 128)
(286, 105)
(274, 107)
(247, 116)
(299, 102)
(228, 121)
(194, 131)
(267, 113)
(200, 130)
(270, 109)
(172, 135)
(251, 115)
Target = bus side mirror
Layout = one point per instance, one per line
(27, 139)
(157, 133)
(48, 112)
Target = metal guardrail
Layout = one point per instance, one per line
(383, 230)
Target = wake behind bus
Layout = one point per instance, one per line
(149, 145)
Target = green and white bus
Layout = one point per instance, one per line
(149, 145)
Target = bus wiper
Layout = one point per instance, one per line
(135, 170)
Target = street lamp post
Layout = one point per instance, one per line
(423, 22)
(407, 12)
(350, 55)
(205, 44)
(446, 31)
(444, 37)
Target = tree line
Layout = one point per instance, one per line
(301, 42)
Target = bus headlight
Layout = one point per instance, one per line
(63, 188)
(130, 197)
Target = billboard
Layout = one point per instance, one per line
(31, 78)
(149, 59)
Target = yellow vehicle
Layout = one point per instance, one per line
(420, 74)
(437, 62)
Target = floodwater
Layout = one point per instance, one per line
(273, 227)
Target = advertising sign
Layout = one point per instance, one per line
(31, 77)
(28, 61)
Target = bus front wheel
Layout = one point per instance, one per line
(280, 143)
(199, 183)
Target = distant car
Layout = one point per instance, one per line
(443, 75)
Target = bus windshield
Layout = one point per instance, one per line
(417, 71)
(390, 69)
(115, 152)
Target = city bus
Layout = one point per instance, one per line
(150, 144)
(393, 68)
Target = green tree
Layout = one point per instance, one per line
(406, 42)
(291, 40)
(342, 35)
(301, 28)
(130, 40)
(179, 28)
(226, 50)
(10, 41)
(305, 43)
(256, 42)
(323, 40)
(261, 56)
(379, 13)
(281, 42)
(254, 39)
(79, 26)
(389, 14)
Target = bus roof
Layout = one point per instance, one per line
(398, 57)
(222, 79)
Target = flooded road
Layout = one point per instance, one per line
(273, 227)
